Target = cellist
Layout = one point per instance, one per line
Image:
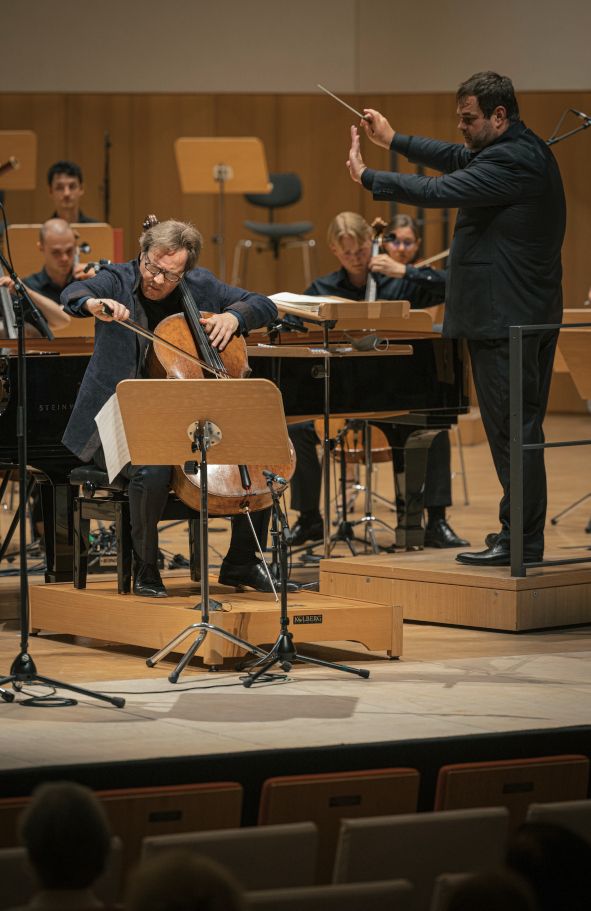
(147, 289)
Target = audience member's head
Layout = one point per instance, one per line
(66, 834)
(66, 188)
(57, 243)
(498, 890)
(182, 881)
(557, 864)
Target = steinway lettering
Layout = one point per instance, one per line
(45, 407)
(307, 618)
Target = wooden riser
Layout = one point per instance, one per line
(438, 590)
(98, 612)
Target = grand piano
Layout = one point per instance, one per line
(376, 360)
(53, 379)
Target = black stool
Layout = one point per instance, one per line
(108, 502)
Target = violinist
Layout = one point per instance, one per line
(146, 290)
(350, 239)
(57, 243)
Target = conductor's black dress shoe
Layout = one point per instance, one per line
(147, 581)
(305, 529)
(249, 575)
(440, 534)
(497, 555)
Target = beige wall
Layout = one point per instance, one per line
(278, 46)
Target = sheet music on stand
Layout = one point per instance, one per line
(113, 439)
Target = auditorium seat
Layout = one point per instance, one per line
(260, 857)
(327, 798)
(394, 895)
(10, 810)
(420, 846)
(18, 885)
(137, 813)
(572, 814)
(512, 783)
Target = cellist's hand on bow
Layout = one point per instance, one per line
(220, 328)
(101, 307)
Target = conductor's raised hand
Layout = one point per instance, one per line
(220, 328)
(377, 128)
(106, 309)
(355, 162)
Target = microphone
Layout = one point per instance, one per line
(580, 114)
(271, 476)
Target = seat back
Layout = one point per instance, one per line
(572, 814)
(260, 857)
(420, 846)
(327, 798)
(19, 886)
(138, 813)
(513, 783)
(394, 896)
(287, 190)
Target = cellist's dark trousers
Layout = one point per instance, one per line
(148, 491)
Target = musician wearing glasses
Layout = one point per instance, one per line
(504, 269)
(147, 290)
(350, 239)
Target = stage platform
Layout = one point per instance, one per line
(434, 588)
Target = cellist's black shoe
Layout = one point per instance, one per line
(440, 534)
(147, 581)
(497, 555)
(249, 575)
(492, 538)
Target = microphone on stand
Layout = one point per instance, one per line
(271, 476)
(580, 114)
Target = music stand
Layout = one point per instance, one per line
(202, 422)
(222, 165)
(22, 146)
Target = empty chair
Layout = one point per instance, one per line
(395, 895)
(572, 814)
(260, 857)
(496, 889)
(19, 886)
(137, 813)
(420, 846)
(512, 783)
(327, 798)
(286, 191)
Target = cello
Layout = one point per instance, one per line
(181, 349)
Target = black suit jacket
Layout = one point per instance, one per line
(504, 266)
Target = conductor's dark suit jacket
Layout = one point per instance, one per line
(504, 266)
(118, 352)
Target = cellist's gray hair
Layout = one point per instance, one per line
(171, 236)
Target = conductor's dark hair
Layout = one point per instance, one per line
(66, 834)
(490, 91)
(70, 168)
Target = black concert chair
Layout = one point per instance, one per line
(107, 502)
(287, 190)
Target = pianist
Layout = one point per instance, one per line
(349, 239)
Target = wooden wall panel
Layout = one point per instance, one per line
(308, 134)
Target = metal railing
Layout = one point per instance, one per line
(517, 447)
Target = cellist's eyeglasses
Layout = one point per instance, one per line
(171, 277)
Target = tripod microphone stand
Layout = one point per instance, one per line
(23, 670)
(284, 652)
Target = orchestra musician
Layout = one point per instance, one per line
(66, 188)
(147, 290)
(350, 240)
(504, 268)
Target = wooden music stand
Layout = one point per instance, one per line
(22, 145)
(186, 417)
(222, 165)
(28, 258)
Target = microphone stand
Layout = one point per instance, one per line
(23, 670)
(585, 125)
(107, 177)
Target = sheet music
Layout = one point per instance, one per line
(113, 439)
(307, 302)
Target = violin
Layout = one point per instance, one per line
(378, 225)
(181, 349)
